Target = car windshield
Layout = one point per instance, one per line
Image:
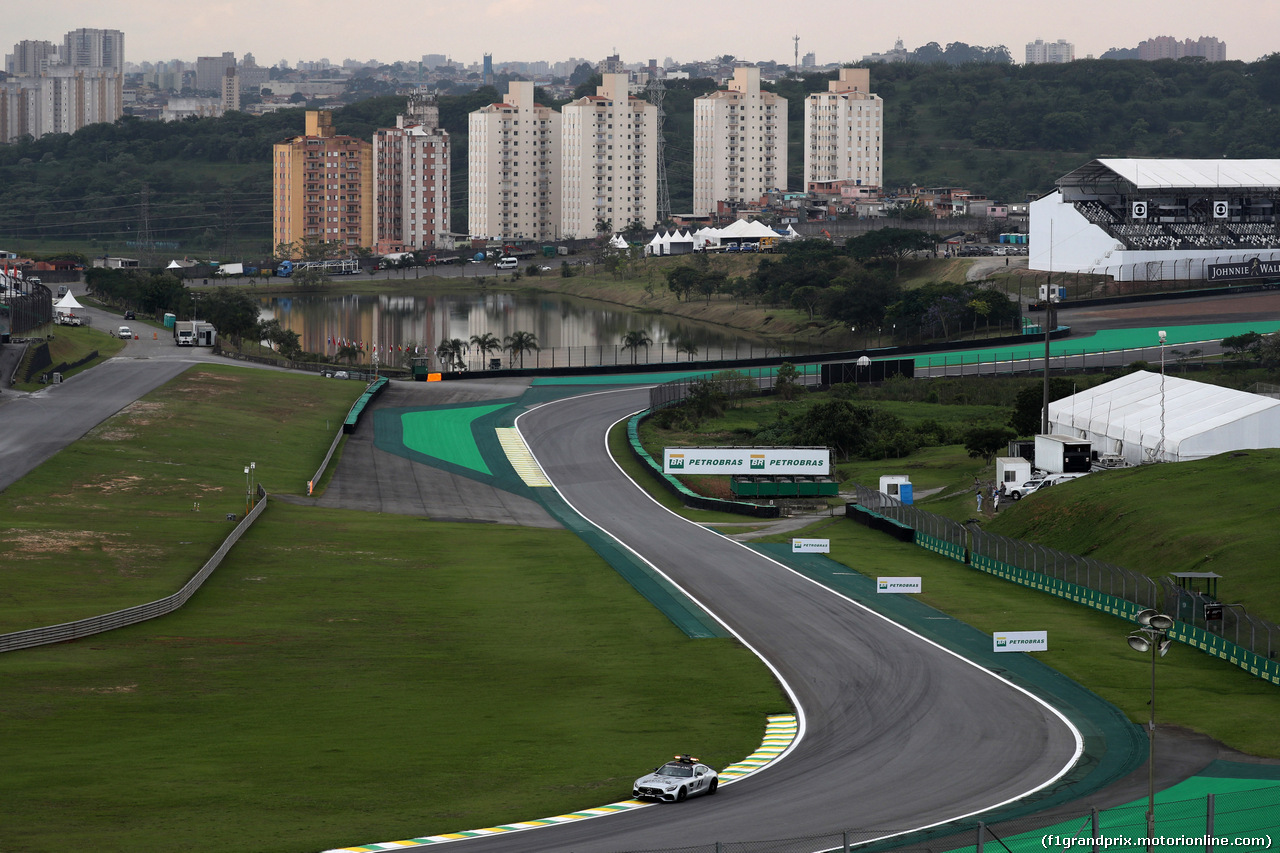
(675, 770)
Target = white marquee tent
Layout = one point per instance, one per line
(1123, 418)
(67, 303)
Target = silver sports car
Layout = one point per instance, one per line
(674, 781)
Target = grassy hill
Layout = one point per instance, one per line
(1215, 515)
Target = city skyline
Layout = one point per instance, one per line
(273, 30)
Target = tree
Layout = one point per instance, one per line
(888, 244)
(785, 383)
(286, 341)
(986, 441)
(1028, 406)
(682, 280)
(348, 353)
(807, 298)
(518, 343)
(450, 352)
(687, 347)
(635, 339)
(232, 312)
(486, 343)
(1243, 346)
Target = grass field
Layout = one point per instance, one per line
(343, 677)
(110, 522)
(72, 343)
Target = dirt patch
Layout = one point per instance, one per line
(122, 483)
(28, 543)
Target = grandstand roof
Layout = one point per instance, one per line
(1152, 174)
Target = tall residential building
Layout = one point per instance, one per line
(843, 128)
(62, 99)
(608, 164)
(1040, 52)
(230, 90)
(211, 69)
(739, 143)
(411, 180)
(513, 166)
(30, 58)
(322, 188)
(86, 48)
(1168, 47)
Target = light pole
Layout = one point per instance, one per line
(247, 507)
(1151, 637)
(1160, 447)
(253, 484)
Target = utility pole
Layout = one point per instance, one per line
(795, 67)
(144, 225)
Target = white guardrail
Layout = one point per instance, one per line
(132, 615)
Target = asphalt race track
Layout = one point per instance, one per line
(897, 733)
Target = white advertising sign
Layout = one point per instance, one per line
(810, 546)
(746, 460)
(898, 585)
(1221, 209)
(1021, 641)
(1139, 210)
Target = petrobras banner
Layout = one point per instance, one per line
(1021, 641)
(746, 460)
(898, 585)
(810, 546)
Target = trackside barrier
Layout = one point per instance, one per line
(348, 425)
(140, 613)
(1093, 583)
(683, 492)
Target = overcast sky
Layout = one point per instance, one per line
(555, 30)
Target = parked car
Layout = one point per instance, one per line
(128, 315)
(1019, 492)
(125, 332)
(506, 264)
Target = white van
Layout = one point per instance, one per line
(506, 264)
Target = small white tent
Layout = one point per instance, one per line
(67, 303)
(1124, 418)
(617, 242)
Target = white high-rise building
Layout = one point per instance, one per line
(739, 143)
(843, 129)
(1040, 52)
(30, 58)
(73, 97)
(411, 180)
(88, 48)
(513, 165)
(608, 160)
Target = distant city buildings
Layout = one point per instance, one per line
(608, 160)
(1167, 47)
(411, 180)
(322, 189)
(211, 69)
(60, 90)
(1040, 52)
(842, 131)
(513, 168)
(739, 143)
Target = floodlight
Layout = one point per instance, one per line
(1139, 643)
(1143, 617)
(1160, 622)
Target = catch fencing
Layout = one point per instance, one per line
(1214, 823)
(736, 382)
(140, 613)
(1244, 640)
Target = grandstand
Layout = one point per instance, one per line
(1159, 220)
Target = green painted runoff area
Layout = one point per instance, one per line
(1246, 805)
(1105, 340)
(446, 434)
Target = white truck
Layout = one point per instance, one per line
(1063, 454)
(184, 333)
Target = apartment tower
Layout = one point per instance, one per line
(842, 131)
(411, 177)
(513, 166)
(739, 143)
(609, 160)
(322, 190)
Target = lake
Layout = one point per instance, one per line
(569, 330)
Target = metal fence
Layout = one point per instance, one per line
(1238, 820)
(1187, 606)
(140, 613)
(733, 382)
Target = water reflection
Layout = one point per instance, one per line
(570, 331)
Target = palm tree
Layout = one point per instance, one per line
(450, 353)
(688, 347)
(635, 339)
(486, 343)
(518, 343)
